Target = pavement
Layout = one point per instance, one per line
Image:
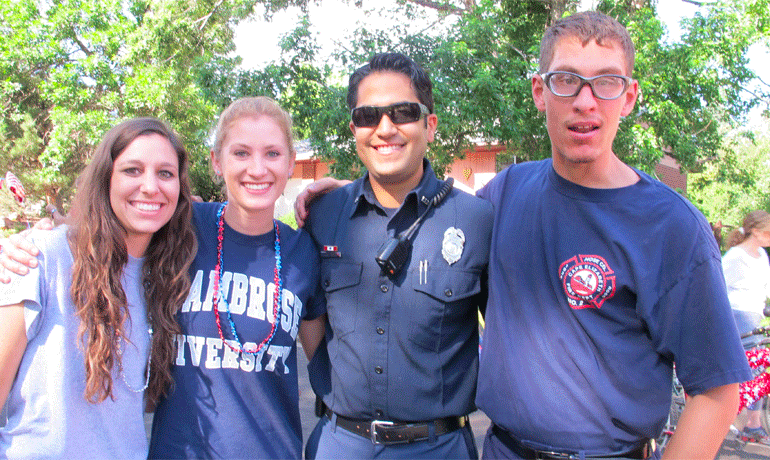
(733, 448)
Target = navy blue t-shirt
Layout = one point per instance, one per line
(235, 405)
(594, 295)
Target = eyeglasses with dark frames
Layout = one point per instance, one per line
(369, 116)
(568, 84)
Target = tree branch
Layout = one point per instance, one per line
(206, 18)
(761, 80)
(700, 3)
(445, 7)
(703, 129)
(761, 96)
(81, 45)
(557, 7)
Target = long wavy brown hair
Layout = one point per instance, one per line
(98, 245)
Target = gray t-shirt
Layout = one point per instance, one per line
(48, 415)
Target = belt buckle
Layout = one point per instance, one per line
(554, 454)
(373, 429)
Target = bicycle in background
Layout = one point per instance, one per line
(758, 355)
(677, 406)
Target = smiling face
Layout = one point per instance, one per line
(392, 153)
(582, 128)
(255, 162)
(144, 189)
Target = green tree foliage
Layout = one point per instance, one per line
(481, 57)
(738, 181)
(70, 69)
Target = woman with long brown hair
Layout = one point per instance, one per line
(87, 338)
(747, 274)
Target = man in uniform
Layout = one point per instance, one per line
(601, 278)
(402, 352)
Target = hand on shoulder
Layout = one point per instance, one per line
(311, 192)
(17, 255)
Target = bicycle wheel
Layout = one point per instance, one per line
(675, 411)
(677, 401)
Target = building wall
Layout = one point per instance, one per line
(476, 169)
(309, 169)
(667, 171)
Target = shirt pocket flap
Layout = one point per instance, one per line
(336, 274)
(448, 285)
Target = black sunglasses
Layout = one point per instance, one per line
(369, 116)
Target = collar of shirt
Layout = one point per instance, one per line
(424, 192)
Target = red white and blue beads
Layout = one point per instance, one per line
(219, 274)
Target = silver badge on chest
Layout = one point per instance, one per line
(453, 244)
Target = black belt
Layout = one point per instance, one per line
(386, 432)
(638, 452)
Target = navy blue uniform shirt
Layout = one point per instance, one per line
(402, 349)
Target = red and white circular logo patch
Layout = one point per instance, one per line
(587, 280)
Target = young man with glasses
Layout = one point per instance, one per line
(398, 374)
(612, 279)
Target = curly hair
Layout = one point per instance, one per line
(99, 249)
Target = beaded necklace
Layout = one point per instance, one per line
(219, 274)
(149, 361)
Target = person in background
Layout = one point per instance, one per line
(56, 217)
(87, 338)
(747, 275)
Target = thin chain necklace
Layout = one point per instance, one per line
(149, 361)
(219, 274)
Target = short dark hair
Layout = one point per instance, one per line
(587, 26)
(393, 62)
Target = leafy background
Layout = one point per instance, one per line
(70, 69)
